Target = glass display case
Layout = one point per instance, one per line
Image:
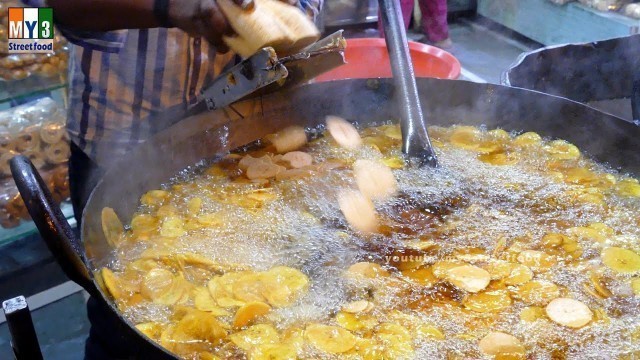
(33, 103)
(554, 22)
(32, 118)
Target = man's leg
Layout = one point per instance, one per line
(434, 19)
(104, 342)
(84, 175)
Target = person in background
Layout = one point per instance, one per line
(130, 61)
(434, 20)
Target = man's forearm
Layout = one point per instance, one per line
(104, 15)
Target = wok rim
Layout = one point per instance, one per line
(116, 166)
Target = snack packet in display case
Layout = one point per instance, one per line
(36, 130)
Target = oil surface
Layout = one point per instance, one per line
(217, 265)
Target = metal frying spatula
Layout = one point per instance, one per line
(265, 72)
(415, 140)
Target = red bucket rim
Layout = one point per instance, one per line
(446, 56)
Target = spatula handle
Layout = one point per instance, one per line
(415, 140)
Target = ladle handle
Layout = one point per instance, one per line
(415, 140)
(53, 226)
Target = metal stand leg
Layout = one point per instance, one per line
(23, 335)
(635, 98)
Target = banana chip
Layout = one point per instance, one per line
(466, 137)
(428, 331)
(294, 337)
(194, 205)
(358, 306)
(635, 286)
(221, 292)
(204, 302)
(166, 211)
(468, 277)
(112, 283)
(518, 274)
(527, 139)
(255, 336)
(152, 330)
(441, 268)
(172, 227)
(537, 292)
(154, 197)
(199, 325)
(288, 139)
(396, 340)
(538, 261)
(367, 270)
(499, 269)
(162, 287)
(330, 339)
(375, 180)
(369, 349)
(595, 232)
(356, 322)
(621, 260)
(345, 134)
(143, 225)
(532, 313)
(488, 302)
(274, 352)
(496, 343)
(297, 159)
(499, 158)
(566, 244)
(629, 188)
(249, 288)
(247, 313)
(358, 210)
(206, 263)
(422, 276)
(394, 162)
(111, 226)
(562, 150)
(283, 285)
(393, 132)
(569, 312)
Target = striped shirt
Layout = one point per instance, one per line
(118, 79)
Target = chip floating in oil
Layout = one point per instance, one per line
(516, 247)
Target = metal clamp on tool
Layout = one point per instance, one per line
(266, 72)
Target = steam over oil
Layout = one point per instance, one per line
(516, 247)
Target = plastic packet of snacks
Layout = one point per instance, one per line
(12, 207)
(36, 130)
(605, 5)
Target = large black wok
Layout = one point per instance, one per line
(603, 137)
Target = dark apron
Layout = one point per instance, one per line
(103, 342)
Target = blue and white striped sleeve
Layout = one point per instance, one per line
(311, 7)
(109, 41)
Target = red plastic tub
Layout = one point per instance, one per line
(368, 58)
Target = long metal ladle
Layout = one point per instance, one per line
(415, 140)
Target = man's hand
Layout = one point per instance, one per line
(205, 18)
(201, 18)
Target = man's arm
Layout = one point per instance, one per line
(104, 15)
(196, 17)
